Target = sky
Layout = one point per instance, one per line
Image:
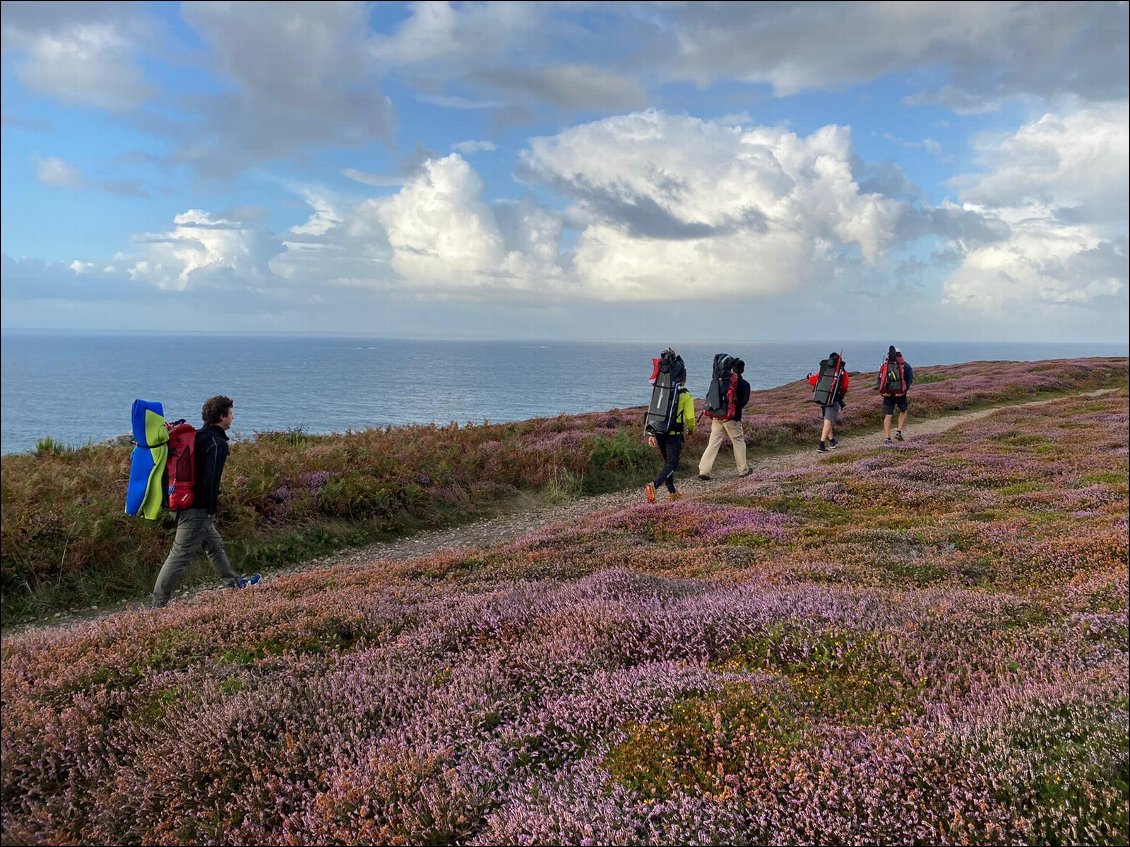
(588, 171)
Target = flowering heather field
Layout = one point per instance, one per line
(288, 497)
(925, 643)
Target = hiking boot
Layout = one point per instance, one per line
(649, 491)
(821, 448)
(898, 435)
(248, 581)
(833, 444)
(674, 495)
(704, 477)
(746, 472)
(888, 442)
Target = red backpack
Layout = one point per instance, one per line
(180, 469)
(892, 378)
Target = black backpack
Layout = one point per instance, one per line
(892, 378)
(721, 397)
(828, 382)
(667, 373)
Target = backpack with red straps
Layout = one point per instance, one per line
(892, 377)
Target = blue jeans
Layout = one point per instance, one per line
(195, 529)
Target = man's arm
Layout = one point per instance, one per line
(209, 474)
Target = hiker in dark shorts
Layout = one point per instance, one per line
(830, 411)
(896, 399)
(196, 526)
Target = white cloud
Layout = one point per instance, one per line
(988, 51)
(324, 218)
(442, 40)
(202, 250)
(442, 231)
(1061, 184)
(302, 73)
(371, 179)
(677, 207)
(469, 148)
(77, 55)
(1076, 160)
(667, 207)
(53, 171)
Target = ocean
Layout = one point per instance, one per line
(78, 389)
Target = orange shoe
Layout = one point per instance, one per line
(649, 490)
(674, 495)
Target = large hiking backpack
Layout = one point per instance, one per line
(667, 373)
(892, 378)
(828, 381)
(180, 468)
(163, 463)
(722, 396)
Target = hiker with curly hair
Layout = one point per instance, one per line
(196, 526)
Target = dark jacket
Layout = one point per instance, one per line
(742, 398)
(211, 453)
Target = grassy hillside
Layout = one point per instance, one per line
(287, 497)
(925, 643)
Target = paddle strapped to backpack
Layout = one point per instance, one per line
(667, 373)
(828, 380)
(722, 396)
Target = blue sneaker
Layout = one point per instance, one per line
(833, 444)
(248, 581)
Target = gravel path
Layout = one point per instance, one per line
(521, 522)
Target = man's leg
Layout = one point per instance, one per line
(214, 547)
(887, 426)
(706, 463)
(737, 438)
(190, 534)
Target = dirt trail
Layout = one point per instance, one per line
(514, 525)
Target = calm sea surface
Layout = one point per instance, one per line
(79, 388)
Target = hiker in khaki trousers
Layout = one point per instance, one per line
(732, 428)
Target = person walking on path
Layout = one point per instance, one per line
(830, 411)
(895, 378)
(719, 429)
(670, 443)
(196, 526)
